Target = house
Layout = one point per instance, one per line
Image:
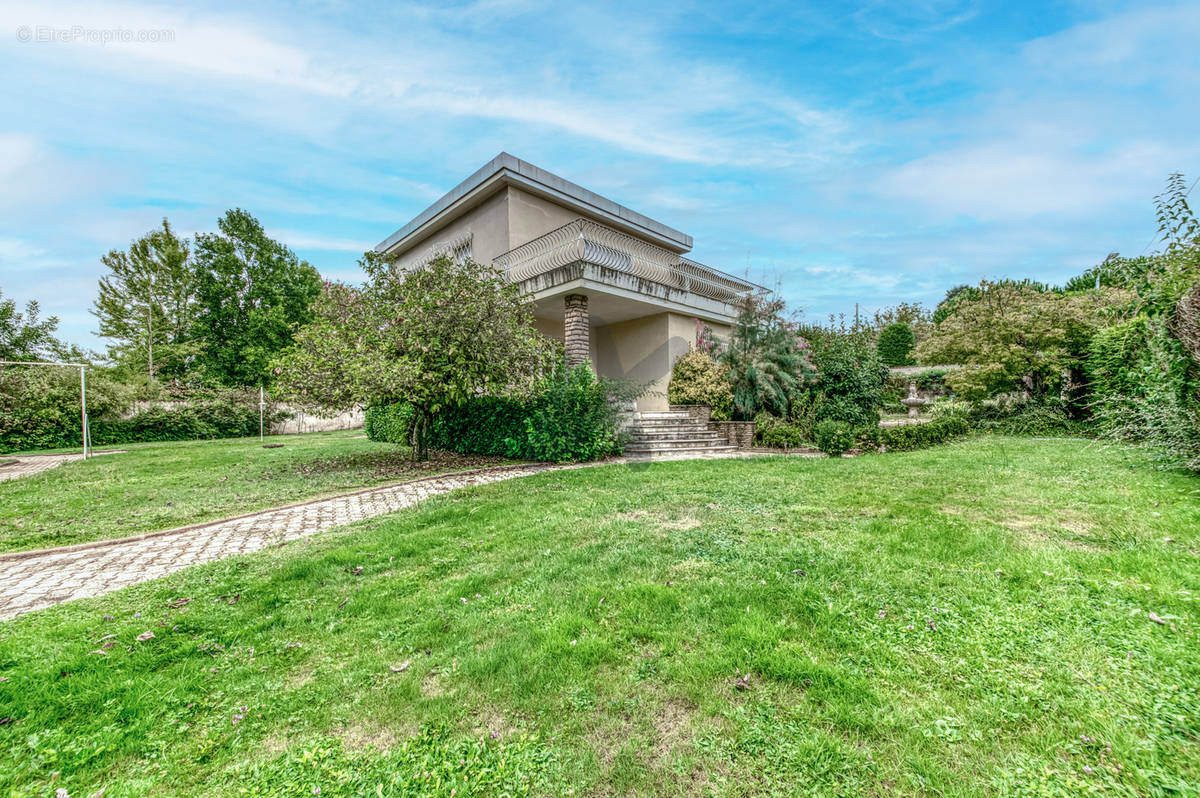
(613, 285)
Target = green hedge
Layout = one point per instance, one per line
(390, 423)
(920, 436)
(39, 409)
(572, 419)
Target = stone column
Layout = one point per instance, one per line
(577, 330)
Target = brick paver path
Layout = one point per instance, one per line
(31, 583)
(35, 464)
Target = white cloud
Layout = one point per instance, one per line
(1061, 134)
(635, 95)
(15, 249)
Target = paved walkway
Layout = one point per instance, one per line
(28, 465)
(44, 579)
(31, 581)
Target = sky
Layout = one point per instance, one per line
(845, 153)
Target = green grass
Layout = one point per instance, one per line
(158, 486)
(967, 620)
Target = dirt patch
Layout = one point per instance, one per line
(274, 744)
(661, 521)
(681, 524)
(300, 678)
(488, 722)
(361, 735)
(434, 686)
(672, 724)
(373, 466)
(1068, 529)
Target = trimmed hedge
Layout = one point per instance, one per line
(572, 419)
(390, 423)
(919, 436)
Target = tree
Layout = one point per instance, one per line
(434, 337)
(850, 377)
(767, 361)
(26, 336)
(1017, 336)
(146, 304)
(952, 298)
(912, 314)
(895, 344)
(251, 292)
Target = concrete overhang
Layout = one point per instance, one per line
(507, 170)
(618, 296)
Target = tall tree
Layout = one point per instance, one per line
(27, 336)
(251, 293)
(146, 304)
(434, 337)
(1016, 336)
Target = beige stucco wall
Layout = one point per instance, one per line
(644, 350)
(487, 223)
(530, 216)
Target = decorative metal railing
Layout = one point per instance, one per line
(591, 242)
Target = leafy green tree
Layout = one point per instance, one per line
(27, 336)
(251, 292)
(913, 314)
(895, 344)
(435, 337)
(850, 378)
(1017, 336)
(767, 361)
(952, 298)
(147, 304)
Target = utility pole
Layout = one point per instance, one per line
(150, 329)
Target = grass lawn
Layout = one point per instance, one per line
(158, 486)
(996, 616)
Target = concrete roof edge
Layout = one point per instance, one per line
(508, 167)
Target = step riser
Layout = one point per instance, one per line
(678, 452)
(668, 422)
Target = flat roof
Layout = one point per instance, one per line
(507, 169)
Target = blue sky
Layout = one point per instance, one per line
(862, 152)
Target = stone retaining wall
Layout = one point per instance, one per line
(735, 433)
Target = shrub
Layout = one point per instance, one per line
(920, 436)
(572, 418)
(783, 436)
(1003, 416)
(697, 379)
(489, 425)
(390, 423)
(39, 409)
(895, 344)
(850, 380)
(833, 437)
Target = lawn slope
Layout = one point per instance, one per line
(159, 486)
(997, 616)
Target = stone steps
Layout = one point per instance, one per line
(672, 434)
